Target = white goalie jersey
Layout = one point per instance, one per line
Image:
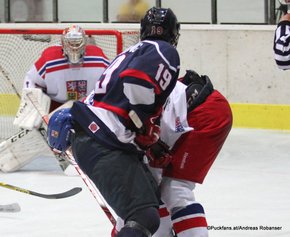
(52, 78)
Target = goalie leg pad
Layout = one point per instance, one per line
(14, 155)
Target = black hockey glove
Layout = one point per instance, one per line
(190, 77)
(198, 88)
(159, 155)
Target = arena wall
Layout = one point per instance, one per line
(238, 59)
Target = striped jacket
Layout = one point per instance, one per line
(282, 45)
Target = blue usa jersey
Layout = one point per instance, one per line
(139, 79)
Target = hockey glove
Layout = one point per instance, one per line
(149, 131)
(149, 137)
(159, 155)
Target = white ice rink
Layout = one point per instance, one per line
(248, 187)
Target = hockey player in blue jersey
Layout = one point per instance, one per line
(107, 144)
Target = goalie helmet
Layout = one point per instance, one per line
(160, 23)
(74, 44)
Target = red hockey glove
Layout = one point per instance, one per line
(149, 131)
(147, 139)
(159, 155)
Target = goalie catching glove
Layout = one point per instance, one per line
(59, 130)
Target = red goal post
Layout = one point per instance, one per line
(21, 47)
(118, 35)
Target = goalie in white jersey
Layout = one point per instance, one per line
(62, 73)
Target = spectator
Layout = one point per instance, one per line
(132, 11)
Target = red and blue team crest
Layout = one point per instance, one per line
(178, 125)
(76, 89)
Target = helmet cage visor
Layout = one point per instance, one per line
(74, 46)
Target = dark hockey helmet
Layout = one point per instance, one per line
(160, 23)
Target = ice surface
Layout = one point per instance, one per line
(247, 187)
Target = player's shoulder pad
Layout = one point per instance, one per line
(168, 53)
(52, 52)
(93, 50)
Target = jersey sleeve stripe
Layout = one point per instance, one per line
(96, 59)
(141, 75)
(121, 112)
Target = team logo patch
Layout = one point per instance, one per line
(93, 127)
(54, 133)
(76, 89)
(178, 125)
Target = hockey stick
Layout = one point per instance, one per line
(21, 134)
(94, 191)
(66, 194)
(136, 120)
(13, 207)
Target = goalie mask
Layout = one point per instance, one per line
(74, 44)
(160, 23)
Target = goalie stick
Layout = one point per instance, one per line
(13, 207)
(94, 191)
(23, 132)
(66, 194)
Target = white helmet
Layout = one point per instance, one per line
(74, 43)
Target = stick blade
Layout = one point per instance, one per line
(70, 193)
(66, 194)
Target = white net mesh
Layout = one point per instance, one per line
(19, 51)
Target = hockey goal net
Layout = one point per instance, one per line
(20, 48)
